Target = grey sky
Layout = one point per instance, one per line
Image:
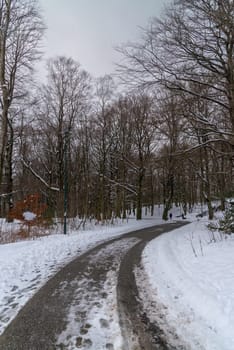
(88, 30)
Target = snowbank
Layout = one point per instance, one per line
(192, 277)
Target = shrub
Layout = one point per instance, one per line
(226, 224)
(30, 204)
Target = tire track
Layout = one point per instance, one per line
(138, 332)
(70, 297)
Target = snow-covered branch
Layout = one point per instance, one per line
(28, 166)
(126, 187)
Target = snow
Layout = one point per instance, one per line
(27, 265)
(187, 283)
(190, 275)
(101, 329)
(29, 216)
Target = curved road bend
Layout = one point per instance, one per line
(43, 323)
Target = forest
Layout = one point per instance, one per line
(160, 130)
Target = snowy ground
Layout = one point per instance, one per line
(25, 266)
(189, 276)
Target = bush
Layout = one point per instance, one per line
(226, 225)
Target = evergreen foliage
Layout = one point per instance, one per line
(226, 225)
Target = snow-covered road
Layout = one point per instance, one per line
(187, 272)
(26, 266)
(92, 303)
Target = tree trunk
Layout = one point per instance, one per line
(139, 194)
(8, 167)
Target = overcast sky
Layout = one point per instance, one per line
(88, 30)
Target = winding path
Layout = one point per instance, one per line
(57, 317)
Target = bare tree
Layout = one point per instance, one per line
(103, 140)
(21, 29)
(143, 133)
(61, 107)
(189, 50)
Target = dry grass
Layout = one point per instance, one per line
(21, 233)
